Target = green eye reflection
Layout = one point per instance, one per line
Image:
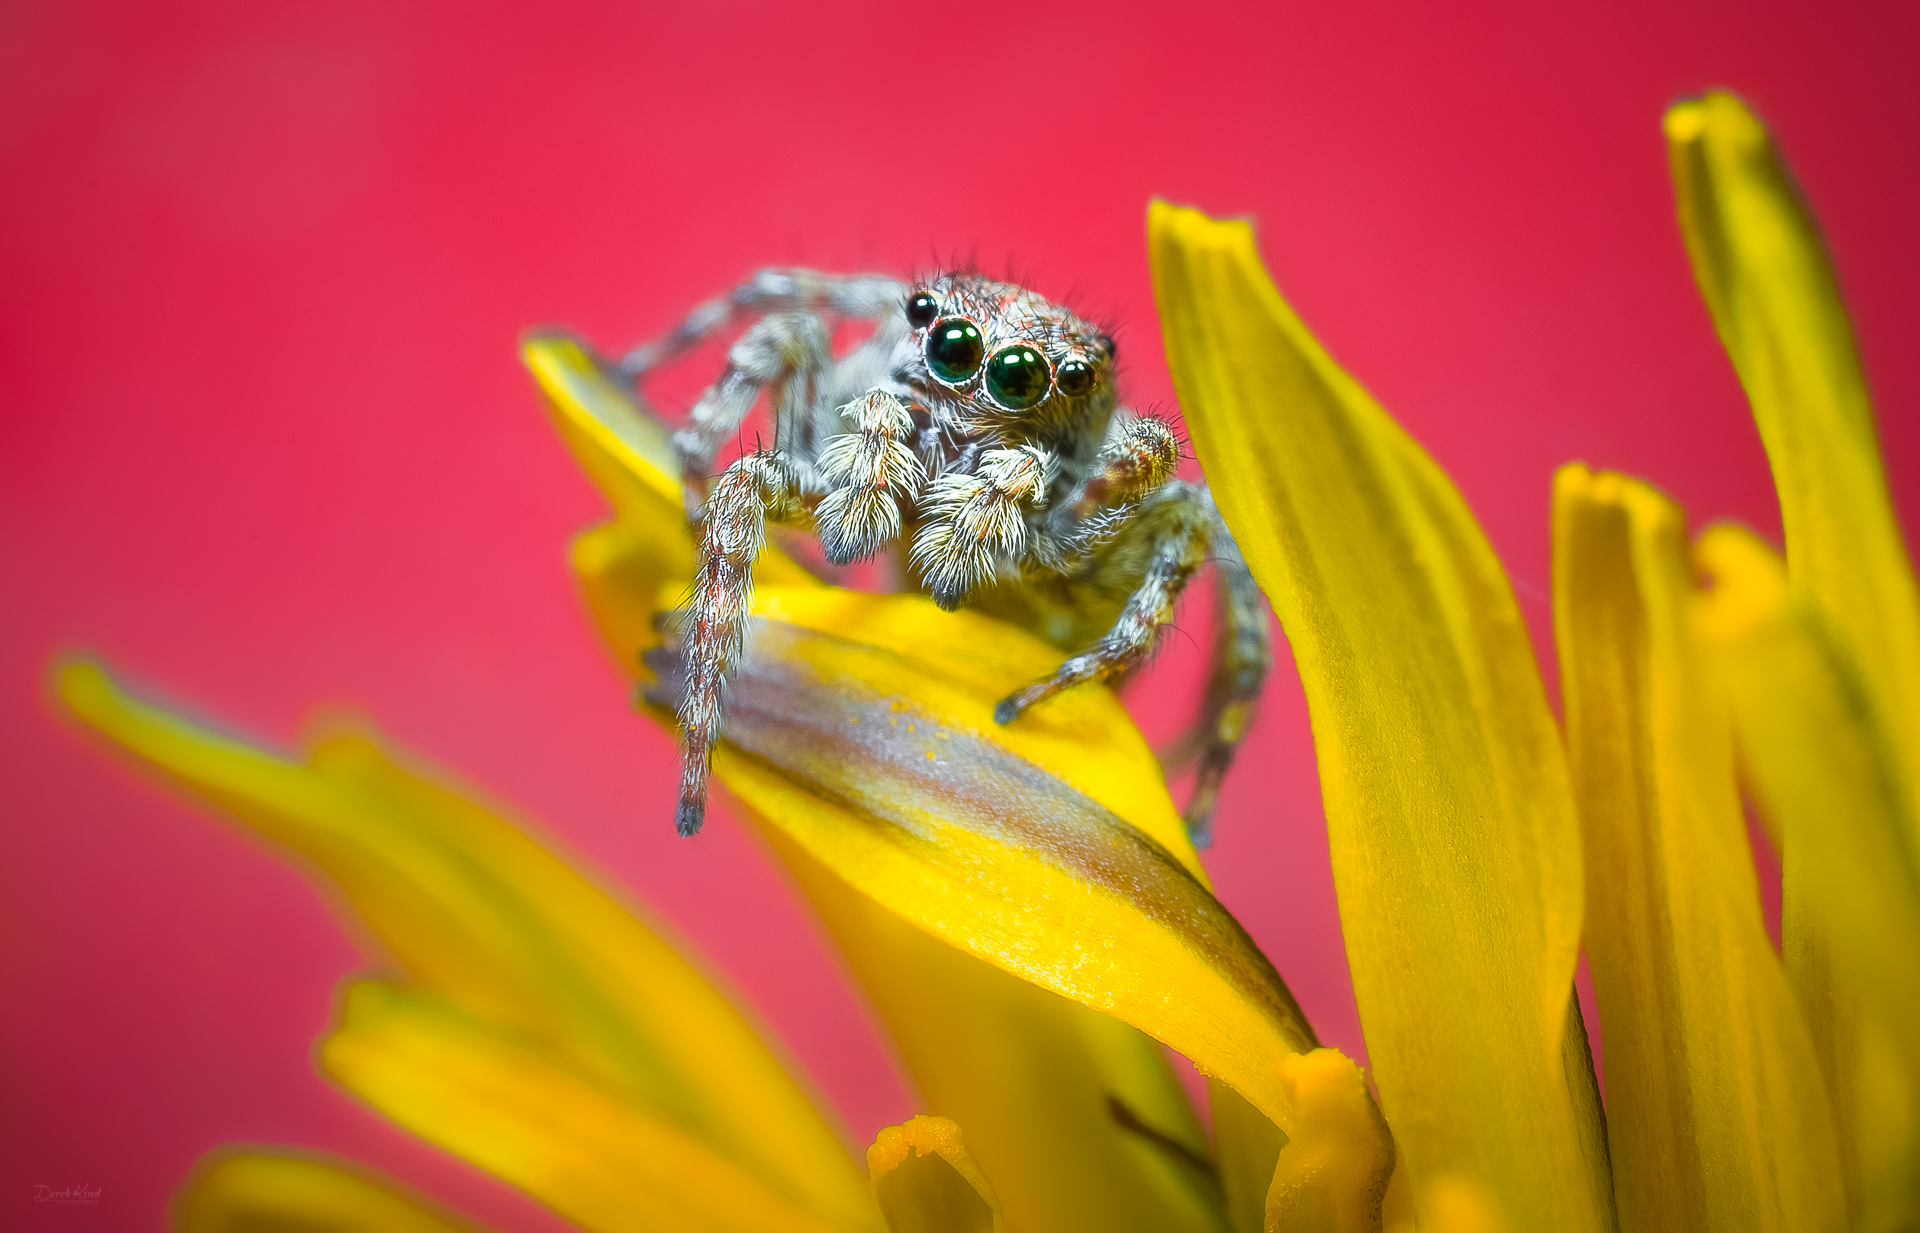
(1076, 378)
(954, 349)
(1018, 377)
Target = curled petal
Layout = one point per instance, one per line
(1455, 848)
(1047, 847)
(249, 1191)
(1716, 1115)
(1850, 904)
(476, 911)
(927, 1182)
(1764, 272)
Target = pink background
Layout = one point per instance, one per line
(265, 442)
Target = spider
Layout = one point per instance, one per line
(977, 429)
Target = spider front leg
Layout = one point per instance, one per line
(975, 521)
(1172, 528)
(869, 471)
(757, 487)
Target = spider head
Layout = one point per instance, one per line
(999, 353)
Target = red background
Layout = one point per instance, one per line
(265, 442)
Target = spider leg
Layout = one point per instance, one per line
(868, 472)
(767, 484)
(976, 520)
(1242, 654)
(1138, 457)
(1177, 526)
(1174, 527)
(787, 352)
(769, 291)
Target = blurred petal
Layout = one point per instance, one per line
(1716, 1114)
(1455, 848)
(1850, 919)
(256, 1192)
(626, 452)
(1247, 1144)
(1758, 258)
(523, 1114)
(927, 1182)
(1075, 1115)
(628, 455)
(474, 909)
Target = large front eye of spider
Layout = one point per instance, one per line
(922, 308)
(1018, 377)
(955, 349)
(1075, 378)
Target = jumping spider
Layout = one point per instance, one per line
(978, 423)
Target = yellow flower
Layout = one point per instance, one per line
(1024, 910)
(1470, 847)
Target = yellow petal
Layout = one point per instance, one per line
(1455, 850)
(624, 450)
(1758, 258)
(927, 1182)
(285, 1192)
(1075, 1115)
(1850, 919)
(526, 1116)
(479, 912)
(1716, 1114)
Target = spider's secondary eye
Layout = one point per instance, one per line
(922, 308)
(1018, 377)
(1076, 378)
(955, 349)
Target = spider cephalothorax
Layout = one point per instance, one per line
(978, 430)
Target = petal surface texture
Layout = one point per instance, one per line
(1075, 1115)
(1850, 900)
(1716, 1114)
(1764, 272)
(487, 922)
(927, 1182)
(1455, 846)
(285, 1192)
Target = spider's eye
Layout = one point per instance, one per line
(1018, 377)
(955, 349)
(1075, 378)
(922, 308)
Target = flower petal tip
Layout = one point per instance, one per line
(1717, 115)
